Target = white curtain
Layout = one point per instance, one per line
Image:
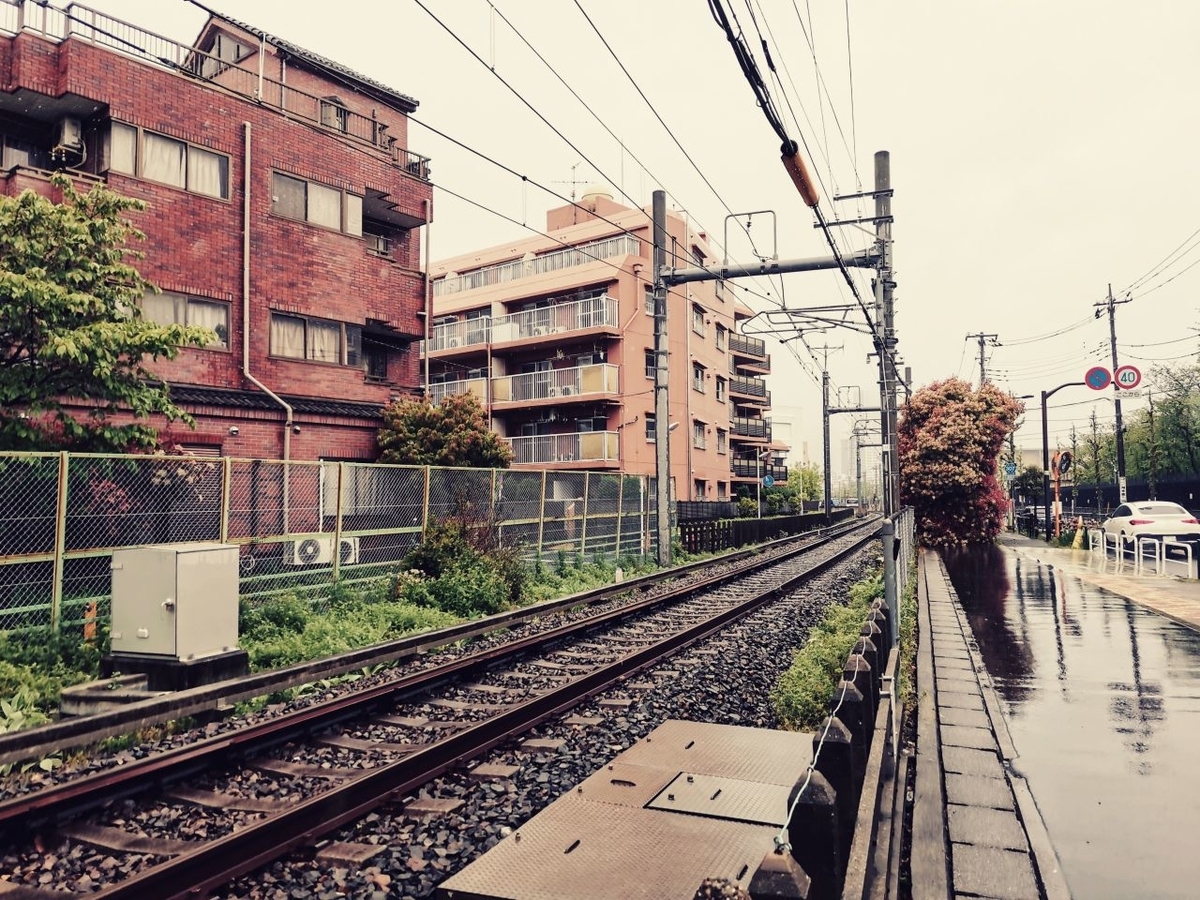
(324, 342)
(208, 173)
(354, 214)
(287, 336)
(164, 160)
(325, 206)
(165, 309)
(213, 316)
(122, 149)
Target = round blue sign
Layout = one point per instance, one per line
(768, 481)
(1098, 378)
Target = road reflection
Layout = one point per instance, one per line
(1102, 700)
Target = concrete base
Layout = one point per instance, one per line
(96, 697)
(166, 673)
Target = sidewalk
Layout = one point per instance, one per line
(976, 830)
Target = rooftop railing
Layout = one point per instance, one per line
(529, 266)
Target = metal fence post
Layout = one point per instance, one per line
(890, 551)
(226, 496)
(337, 526)
(620, 510)
(587, 497)
(425, 505)
(60, 542)
(542, 515)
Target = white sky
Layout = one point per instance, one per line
(1040, 150)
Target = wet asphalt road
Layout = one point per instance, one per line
(1102, 700)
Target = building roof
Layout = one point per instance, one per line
(198, 395)
(368, 85)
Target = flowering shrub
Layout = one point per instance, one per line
(950, 437)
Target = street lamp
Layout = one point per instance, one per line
(758, 458)
(1046, 395)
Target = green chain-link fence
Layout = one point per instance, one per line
(301, 525)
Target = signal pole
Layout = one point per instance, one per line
(1111, 304)
(990, 340)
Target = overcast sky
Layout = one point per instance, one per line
(1039, 151)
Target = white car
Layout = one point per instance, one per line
(1152, 518)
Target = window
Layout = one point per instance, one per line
(334, 114)
(321, 340)
(721, 389)
(698, 320)
(697, 255)
(699, 487)
(649, 300)
(722, 490)
(722, 440)
(650, 364)
(170, 161)
(721, 331)
(295, 198)
(698, 377)
(697, 434)
(651, 426)
(178, 309)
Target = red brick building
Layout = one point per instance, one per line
(283, 213)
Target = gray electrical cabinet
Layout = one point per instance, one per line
(175, 601)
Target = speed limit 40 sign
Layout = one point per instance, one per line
(1127, 377)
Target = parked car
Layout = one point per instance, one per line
(1152, 518)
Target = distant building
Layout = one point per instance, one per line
(555, 335)
(283, 208)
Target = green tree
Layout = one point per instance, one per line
(950, 438)
(453, 433)
(805, 481)
(73, 342)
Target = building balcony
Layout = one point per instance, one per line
(743, 467)
(749, 427)
(592, 447)
(440, 390)
(453, 337)
(750, 390)
(556, 385)
(750, 353)
(552, 322)
(531, 265)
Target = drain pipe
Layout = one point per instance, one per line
(287, 409)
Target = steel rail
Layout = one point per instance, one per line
(31, 743)
(70, 798)
(217, 862)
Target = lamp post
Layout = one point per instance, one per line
(758, 458)
(1046, 395)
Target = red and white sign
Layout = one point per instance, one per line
(1127, 377)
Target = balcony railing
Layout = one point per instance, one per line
(596, 312)
(554, 448)
(749, 387)
(438, 391)
(527, 267)
(556, 384)
(741, 467)
(465, 333)
(751, 348)
(746, 426)
(84, 23)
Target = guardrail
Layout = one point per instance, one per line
(1165, 552)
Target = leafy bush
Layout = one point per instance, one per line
(801, 698)
(36, 665)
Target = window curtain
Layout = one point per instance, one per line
(324, 342)
(165, 309)
(208, 173)
(122, 149)
(325, 206)
(165, 160)
(287, 336)
(213, 316)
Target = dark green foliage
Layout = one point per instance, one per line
(801, 698)
(464, 570)
(39, 664)
(454, 432)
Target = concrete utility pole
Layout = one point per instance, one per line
(1112, 336)
(825, 460)
(989, 340)
(885, 328)
(662, 411)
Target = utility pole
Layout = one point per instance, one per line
(828, 477)
(885, 328)
(1112, 337)
(989, 340)
(662, 411)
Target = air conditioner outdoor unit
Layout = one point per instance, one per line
(553, 391)
(452, 343)
(317, 551)
(70, 135)
(538, 331)
(567, 390)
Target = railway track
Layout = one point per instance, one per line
(283, 783)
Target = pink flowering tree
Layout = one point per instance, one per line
(950, 438)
